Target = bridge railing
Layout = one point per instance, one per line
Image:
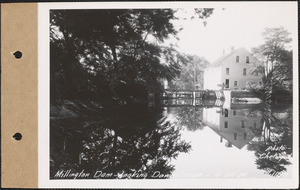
(192, 102)
(204, 94)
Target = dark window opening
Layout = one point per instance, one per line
(226, 113)
(247, 59)
(243, 124)
(227, 83)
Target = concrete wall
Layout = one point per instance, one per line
(227, 95)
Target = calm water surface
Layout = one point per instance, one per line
(176, 142)
(237, 143)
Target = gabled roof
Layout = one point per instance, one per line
(238, 143)
(219, 61)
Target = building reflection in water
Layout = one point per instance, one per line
(232, 125)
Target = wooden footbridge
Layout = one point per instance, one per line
(201, 98)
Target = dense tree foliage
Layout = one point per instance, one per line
(277, 129)
(273, 141)
(190, 117)
(117, 145)
(191, 75)
(277, 63)
(103, 65)
(110, 54)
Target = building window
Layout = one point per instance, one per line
(227, 83)
(237, 59)
(234, 112)
(235, 83)
(244, 71)
(247, 59)
(235, 136)
(245, 136)
(254, 125)
(243, 124)
(227, 71)
(226, 113)
(226, 124)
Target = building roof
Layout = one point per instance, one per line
(219, 61)
(237, 143)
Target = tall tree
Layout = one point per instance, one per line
(277, 63)
(191, 75)
(100, 49)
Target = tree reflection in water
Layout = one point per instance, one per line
(131, 140)
(273, 142)
(188, 116)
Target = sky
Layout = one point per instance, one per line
(235, 26)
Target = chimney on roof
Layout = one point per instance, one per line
(232, 48)
(228, 144)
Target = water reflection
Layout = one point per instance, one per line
(232, 125)
(273, 143)
(130, 143)
(137, 142)
(264, 130)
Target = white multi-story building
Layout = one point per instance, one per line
(233, 71)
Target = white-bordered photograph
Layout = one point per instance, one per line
(168, 94)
